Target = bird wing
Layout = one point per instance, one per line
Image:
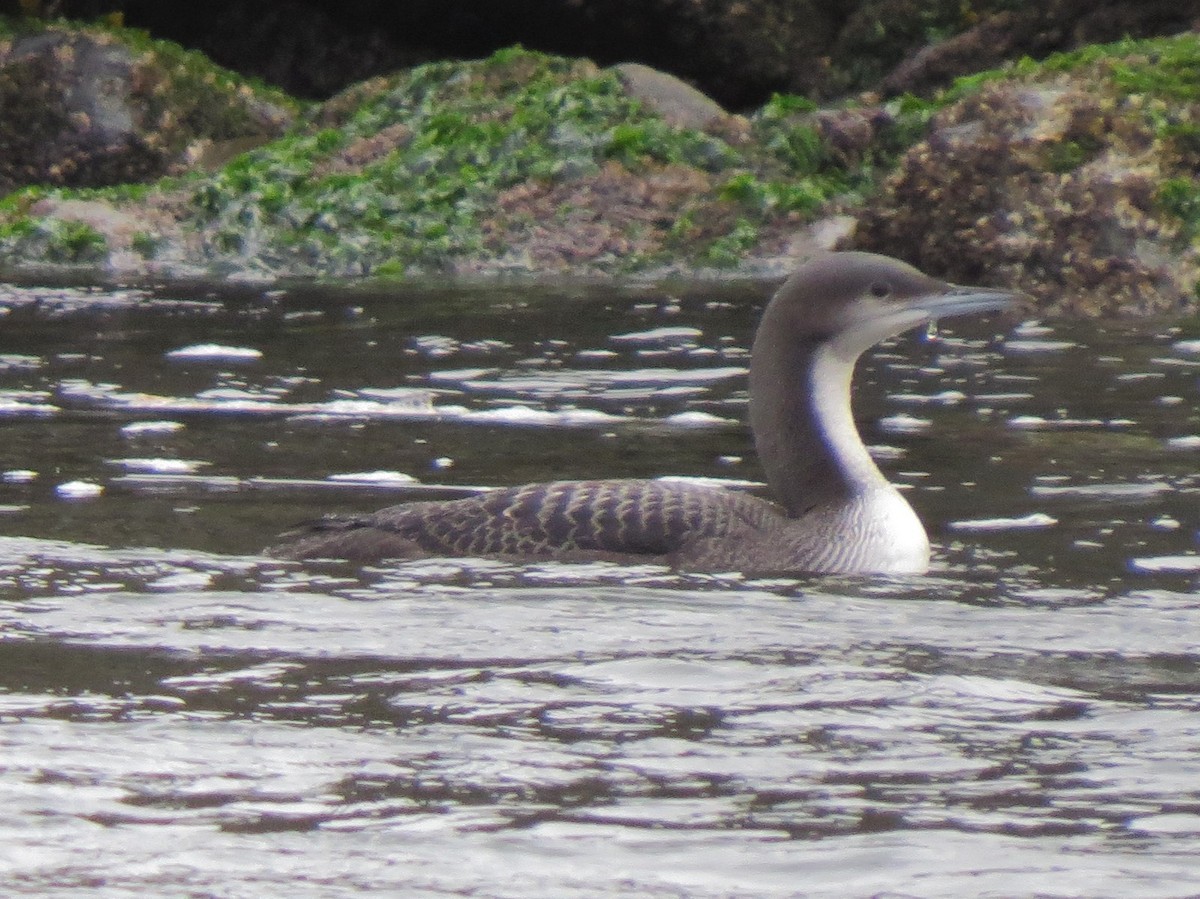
(633, 517)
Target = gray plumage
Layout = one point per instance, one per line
(577, 519)
(836, 511)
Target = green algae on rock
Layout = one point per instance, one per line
(521, 162)
(1074, 178)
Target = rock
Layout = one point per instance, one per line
(90, 108)
(65, 117)
(675, 100)
(1073, 178)
(736, 52)
(852, 134)
(1035, 30)
(110, 222)
(311, 50)
(985, 46)
(210, 155)
(1074, 181)
(519, 162)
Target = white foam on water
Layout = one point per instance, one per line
(79, 489)
(679, 334)
(1166, 564)
(160, 466)
(696, 420)
(1038, 423)
(215, 351)
(1190, 442)
(1038, 346)
(904, 424)
(373, 477)
(140, 428)
(526, 415)
(945, 398)
(1031, 521)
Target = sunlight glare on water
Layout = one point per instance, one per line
(181, 716)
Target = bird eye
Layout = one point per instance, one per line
(880, 289)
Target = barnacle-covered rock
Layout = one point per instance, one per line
(1075, 179)
(91, 107)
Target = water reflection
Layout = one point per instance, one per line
(180, 716)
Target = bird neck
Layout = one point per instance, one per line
(803, 425)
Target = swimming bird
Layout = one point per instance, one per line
(833, 510)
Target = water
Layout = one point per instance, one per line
(180, 716)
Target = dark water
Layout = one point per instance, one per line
(182, 717)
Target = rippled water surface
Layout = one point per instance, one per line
(180, 716)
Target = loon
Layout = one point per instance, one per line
(834, 511)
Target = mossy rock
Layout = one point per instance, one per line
(91, 106)
(1074, 178)
(522, 162)
(488, 165)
